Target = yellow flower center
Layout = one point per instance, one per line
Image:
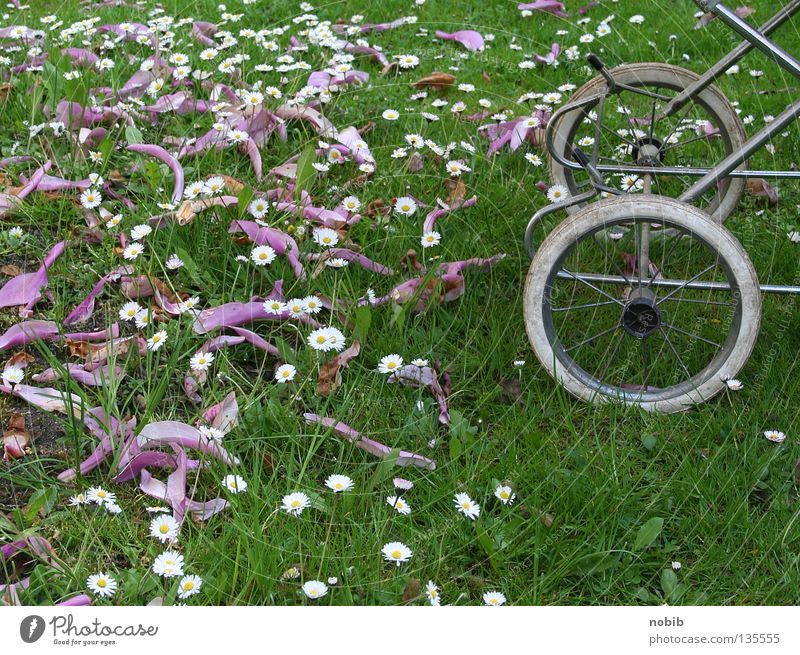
(295, 503)
(465, 505)
(338, 485)
(396, 554)
(493, 601)
(163, 528)
(405, 208)
(321, 338)
(188, 585)
(391, 365)
(101, 583)
(503, 494)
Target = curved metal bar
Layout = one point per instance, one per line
(675, 284)
(546, 211)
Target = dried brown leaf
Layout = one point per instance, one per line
(456, 191)
(411, 590)
(512, 390)
(436, 80)
(20, 359)
(11, 270)
(330, 373)
(759, 187)
(16, 438)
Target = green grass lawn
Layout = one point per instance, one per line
(607, 498)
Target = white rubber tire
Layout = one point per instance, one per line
(667, 76)
(655, 209)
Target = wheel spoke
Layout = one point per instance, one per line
(591, 286)
(677, 356)
(584, 306)
(691, 279)
(594, 338)
(610, 259)
(691, 335)
(612, 358)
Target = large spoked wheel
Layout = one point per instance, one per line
(662, 323)
(634, 132)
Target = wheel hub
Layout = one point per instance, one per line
(648, 151)
(641, 317)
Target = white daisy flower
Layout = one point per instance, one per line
(91, 198)
(467, 506)
(405, 206)
(494, 598)
(311, 305)
(314, 589)
(557, 193)
(274, 307)
(234, 483)
(326, 237)
(201, 361)
(157, 340)
(432, 592)
(78, 500)
(396, 552)
(13, 375)
(390, 115)
(285, 373)
(263, 255)
(189, 586)
(338, 483)
(430, 239)
(294, 503)
(168, 564)
(132, 251)
(399, 505)
(174, 262)
(504, 494)
(101, 584)
(100, 496)
(390, 363)
(164, 528)
(351, 204)
(775, 436)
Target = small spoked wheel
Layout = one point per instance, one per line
(615, 315)
(634, 131)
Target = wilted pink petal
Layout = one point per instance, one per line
(26, 289)
(225, 415)
(76, 601)
(204, 32)
(97, 377)
(350, 256)
(437, 213)
(415, 376)
(255, 340)
(48, 399)
(279, 241)
(470, 39)
(159, 153)
(551, 57)
(25, 332)
(174, 432)
(373, 447)
(551, 6)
